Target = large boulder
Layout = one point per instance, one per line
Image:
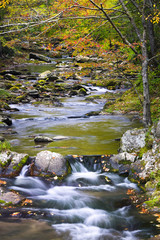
(151, 163)
(133, 140)
(50, 163)
(11, 163)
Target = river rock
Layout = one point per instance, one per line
(53, 77)
(39, 57)
(133, 140)
(11, 163)
(33, 93)
(13, 72)
(123, 157)
(82, 59)
(6, 120)
(43, 139)
(44, 75)
(82, 92)
(57, 138)
(93, 113)
(10, 77)
(51, 163)
(76, 77)
(10, 197)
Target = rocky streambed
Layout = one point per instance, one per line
(53, 121)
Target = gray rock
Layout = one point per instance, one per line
(39, 57)
(44, 75)
(10, 77)
(57, 138)
(151, 164)
(10, 197)
(50, 162)
(76, 77)
(53, 77)
(33, 93)
(82, 59)
(133, 140)
(43, 139)
(124, 156)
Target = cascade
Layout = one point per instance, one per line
(85, 205)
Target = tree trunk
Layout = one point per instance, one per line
(150, 27)
(151, 38)
(0, 49)
(146, 101)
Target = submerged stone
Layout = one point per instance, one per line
(43, 139)
(57, 138)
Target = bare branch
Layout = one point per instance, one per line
(136, 5)
(131, 19)
(124, 39)
(150, 59)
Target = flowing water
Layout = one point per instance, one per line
(88, 204)
(84, 135)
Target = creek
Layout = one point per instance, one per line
(89, 204)
(90, 135)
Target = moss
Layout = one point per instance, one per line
(150, 185)
(21, 164)
(4, 94)
(153, 202)
(142, 151)
(2, 201)
(18, 85)
(14, 89)
(5, 146)
(42, 82)
(90, 98)
(124, 162)
(21, 97)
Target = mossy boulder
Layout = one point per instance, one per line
(10, 77)
(11, 163)
(82, 92)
